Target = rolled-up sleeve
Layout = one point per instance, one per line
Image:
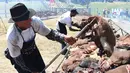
(39, 26)
(42, 29)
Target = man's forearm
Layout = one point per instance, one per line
(76, 25)
(55, 36)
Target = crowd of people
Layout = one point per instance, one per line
(118, 13)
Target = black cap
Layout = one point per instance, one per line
(74, 11)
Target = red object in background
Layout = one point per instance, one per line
(52, 1)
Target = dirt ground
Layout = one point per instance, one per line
(48, 48)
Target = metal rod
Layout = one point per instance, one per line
(55, 57)
(127, 34)
(63, 59)
(118, 26)
(122, 32)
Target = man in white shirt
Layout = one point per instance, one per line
(23, 51)
(66, 19)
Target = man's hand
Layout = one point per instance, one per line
(70, 40)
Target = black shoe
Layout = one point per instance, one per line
(64, 52)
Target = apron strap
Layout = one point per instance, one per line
(19, 30)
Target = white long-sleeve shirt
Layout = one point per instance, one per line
(65, 19)
(15, 40)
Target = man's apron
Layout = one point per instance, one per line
(31, 55)
(63, 30)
